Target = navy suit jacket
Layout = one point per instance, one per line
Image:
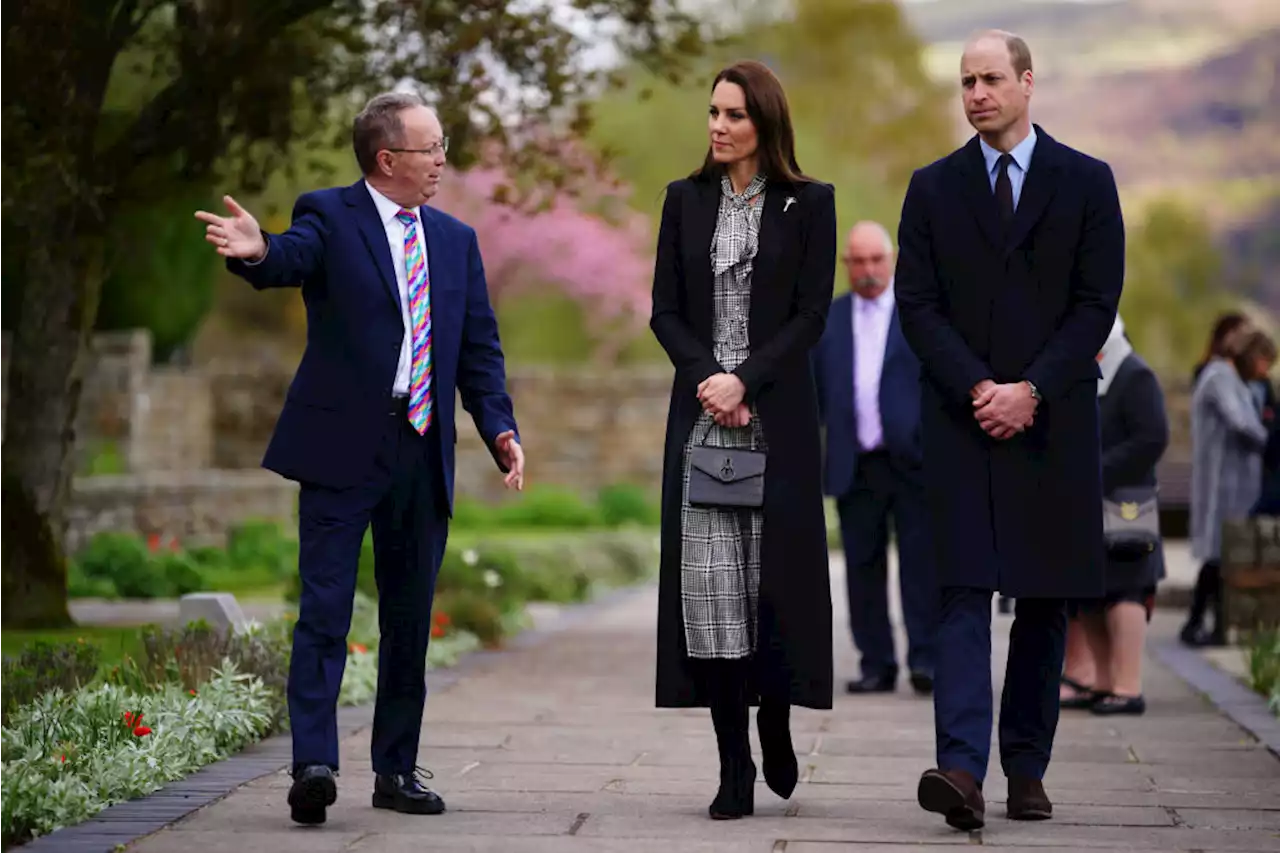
(833, 371)
(336, 250)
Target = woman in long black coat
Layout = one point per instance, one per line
(742, 285)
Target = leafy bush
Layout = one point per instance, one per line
(623, 504)
(1263, 652)
(43, 667)
(69, 755)
(120, 565)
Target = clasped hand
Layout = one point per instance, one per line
(1003, 410)
(721, 395)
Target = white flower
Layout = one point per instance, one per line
(470, 557)
(492, 579)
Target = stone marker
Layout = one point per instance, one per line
(219, 609)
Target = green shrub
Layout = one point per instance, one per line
(263, 547)
(549, 506)
(43, 667)
(625, 504)
(1263, 650)
(121, 560)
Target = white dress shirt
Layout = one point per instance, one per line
(387, 210)
(871, 320)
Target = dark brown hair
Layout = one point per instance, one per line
(1247, 345)
(767, 107)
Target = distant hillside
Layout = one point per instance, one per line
(1180, 96)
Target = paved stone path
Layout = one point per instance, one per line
(557, 747)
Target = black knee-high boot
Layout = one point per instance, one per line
(781, 771)
(728, 700)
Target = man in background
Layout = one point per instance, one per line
(869, 393)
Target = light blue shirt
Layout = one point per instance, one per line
(1017, 169)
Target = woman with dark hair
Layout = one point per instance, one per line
(1227, 440)
(741, 288)
(1222, 327)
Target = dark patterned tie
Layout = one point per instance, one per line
(1004, 190)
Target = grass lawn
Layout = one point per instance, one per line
(115, 641)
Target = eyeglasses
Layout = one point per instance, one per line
(440, 147)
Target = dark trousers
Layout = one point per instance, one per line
(882, 489)
(962, 698)
(403, 498)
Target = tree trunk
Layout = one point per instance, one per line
(45, 379)
(54, 209)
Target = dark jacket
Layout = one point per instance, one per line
(1035, 302)
(792, 280)
(1135, 434)
(335, 411)
(833, 370)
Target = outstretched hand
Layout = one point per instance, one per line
(512, 456)
(234, 236)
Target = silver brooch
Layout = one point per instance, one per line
(790, 201)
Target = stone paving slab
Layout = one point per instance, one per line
(557, 747)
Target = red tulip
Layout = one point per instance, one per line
(141, 731)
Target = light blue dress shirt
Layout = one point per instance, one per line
(1017, 169)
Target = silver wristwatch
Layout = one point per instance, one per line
(1035, 392)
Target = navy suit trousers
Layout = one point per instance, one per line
(884, 488)
(403, 498)
(962, 697)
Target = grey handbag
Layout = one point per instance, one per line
(1131, 521)
(726, 476)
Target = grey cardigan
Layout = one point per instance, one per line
(1227, 438)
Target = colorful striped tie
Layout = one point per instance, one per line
(420, 318)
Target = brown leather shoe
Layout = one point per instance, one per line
(955, 795)
(1027, 799)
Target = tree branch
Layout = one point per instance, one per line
(158, 127)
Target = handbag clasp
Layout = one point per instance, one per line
(726, 469)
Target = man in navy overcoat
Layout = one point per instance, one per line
(1010, 267)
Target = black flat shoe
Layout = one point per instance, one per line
(1085, 698)
(1111, 705)
(313, 791)
(404, 793)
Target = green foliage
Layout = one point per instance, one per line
(42, 667)
(1173, 285)
(119, 565)
(159, 278)
(1263, 651)
(69, 755)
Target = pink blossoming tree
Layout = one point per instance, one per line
(576, 236)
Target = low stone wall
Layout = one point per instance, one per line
(196, 507)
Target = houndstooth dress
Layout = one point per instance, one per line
(719, 571)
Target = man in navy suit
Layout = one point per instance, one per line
(869, 395)
(1010, 269)
(398, 320)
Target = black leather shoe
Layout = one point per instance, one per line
(874, 684)
(403, 792)
(314, 790)
(922, 683)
